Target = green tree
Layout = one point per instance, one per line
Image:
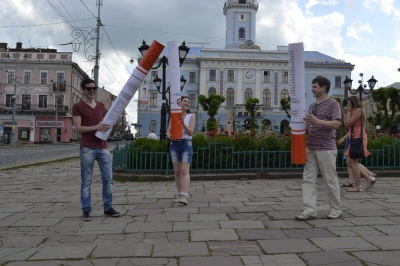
(386, 114)
(285, 106)
(211, 105)
(252, 107)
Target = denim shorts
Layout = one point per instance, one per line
(181, 151)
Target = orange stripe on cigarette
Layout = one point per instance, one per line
(298, 149)
(151, 55)
(176, 125)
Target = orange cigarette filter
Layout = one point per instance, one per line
(151, 55)
(298, 149)
(176, 125)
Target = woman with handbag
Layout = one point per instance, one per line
(354, 120)
(365, 172)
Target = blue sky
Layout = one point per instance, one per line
(363, 32)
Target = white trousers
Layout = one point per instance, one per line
(324, 161)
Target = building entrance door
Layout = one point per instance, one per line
(58, 134)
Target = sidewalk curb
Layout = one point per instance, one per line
(142, 177)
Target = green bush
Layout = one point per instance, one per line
(244, 141)
(218, 147)
(150, 145)
(212, 124)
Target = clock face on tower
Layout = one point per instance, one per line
(249, 74)
(249, 44)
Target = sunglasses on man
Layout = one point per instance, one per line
(91, 88)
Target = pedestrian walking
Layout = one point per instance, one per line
(350, 180)
(322, 120)
(88, 117)
(354, 120)
(364, 170)
(181, 151)
(152, 135)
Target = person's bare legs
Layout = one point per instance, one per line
(185, 177)
(355, 169)
(365, 172)
(178, 176)
(351, 178)
(182, 180)
(368, 175)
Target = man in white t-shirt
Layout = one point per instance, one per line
(152, 135)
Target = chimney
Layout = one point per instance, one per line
(3, 46)
(19, 45)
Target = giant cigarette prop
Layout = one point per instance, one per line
(130, 88)
(175, 90)
(297, 102)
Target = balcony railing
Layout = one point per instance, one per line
(34, 108)
(60, 86)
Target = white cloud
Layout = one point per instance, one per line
(285, 23)
(383, 68)
(371, 4)
(357, 28)
(309, 5)
(312, 3)
(386, 6)
(397, 45)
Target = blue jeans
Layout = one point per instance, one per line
(181, 151)
(103, 158)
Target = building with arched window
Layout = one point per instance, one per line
(242, 70)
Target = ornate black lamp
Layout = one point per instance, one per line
(183, 51)
(361, 88)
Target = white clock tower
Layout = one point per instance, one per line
(240, 23)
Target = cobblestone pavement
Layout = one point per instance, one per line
(226, 223)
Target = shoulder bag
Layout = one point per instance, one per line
(356, 144)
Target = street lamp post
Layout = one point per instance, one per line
(14, 102)
(56, 117)
(157, 81)
(361, 88)
(86, 37)
(183, 51)
(232, 122)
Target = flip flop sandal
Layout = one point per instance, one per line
(373, 181)
(347, 184)
(355, 190)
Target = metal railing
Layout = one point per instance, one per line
(217, 159)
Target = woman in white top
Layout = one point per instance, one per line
(181, 151)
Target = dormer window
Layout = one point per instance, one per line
(242, 1)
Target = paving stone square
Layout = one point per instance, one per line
(228, 222)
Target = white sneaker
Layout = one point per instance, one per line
(178, 198)
(334, 215)
(183, 200)
(304, 217)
